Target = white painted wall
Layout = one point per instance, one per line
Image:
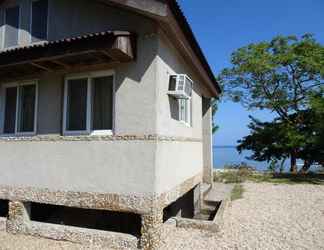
(176, 162)
(119, 167)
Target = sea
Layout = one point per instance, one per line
(228, 155)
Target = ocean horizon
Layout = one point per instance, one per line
(228, 155)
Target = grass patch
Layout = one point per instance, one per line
(242, 175)
(238, 175)
(310, 178)
(237, 192)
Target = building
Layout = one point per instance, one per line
(105, 112)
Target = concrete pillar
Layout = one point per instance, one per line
(207, 140)
(151, 230)
(18, 217)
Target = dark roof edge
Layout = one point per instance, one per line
(185, 26)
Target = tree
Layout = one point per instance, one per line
(214, 110)
(273, 141)
(317, 106)
(279, 76)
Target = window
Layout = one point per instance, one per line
(20, 109)
(11, 28)
(185, 111)
(39, 13)
(88, 104)
(77, 105)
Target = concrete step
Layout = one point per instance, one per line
(205, 189)
(218, 193)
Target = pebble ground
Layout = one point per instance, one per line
(268, 217)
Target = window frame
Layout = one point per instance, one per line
(89, 76)
(18, 85)
(188, 112)
(31, 23)
(3, 45)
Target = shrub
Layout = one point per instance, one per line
(236, 173)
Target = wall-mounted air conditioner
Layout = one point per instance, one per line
(180, 86)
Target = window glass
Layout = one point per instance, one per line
(77, 105)
(10, 110)
(102, 103)
(182, 103)
(188, 88)
(172, 83)
(185, 110)
(27, 108)
(11, 27)
(39, 20)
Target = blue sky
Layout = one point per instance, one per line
(221, 26)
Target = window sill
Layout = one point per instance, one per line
(186, 124)
(102, 132)
(26, 134)
(88, 133)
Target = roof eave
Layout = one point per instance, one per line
(168, 13)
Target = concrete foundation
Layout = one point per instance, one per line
(149, 208)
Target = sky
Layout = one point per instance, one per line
(222, 26)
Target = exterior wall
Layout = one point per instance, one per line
(76, 17)
(207, 141)
(169, 63)
(151, 160)
(142, 107)
(80, 166)
(24, 32)
(176, 162)
(111, 166)
(135, 88)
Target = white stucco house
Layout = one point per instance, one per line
(105, 118)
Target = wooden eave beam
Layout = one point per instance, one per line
(8, 76)
(37, 65)
(64, 65)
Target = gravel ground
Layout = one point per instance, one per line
(268, 217)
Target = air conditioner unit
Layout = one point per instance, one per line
(180, 86)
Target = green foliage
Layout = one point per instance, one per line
(237, 173)
(232, 176)
(276, 166)
(275, 141)
(285, 76)
(214, 110)
(275, 75)
(316, 139)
